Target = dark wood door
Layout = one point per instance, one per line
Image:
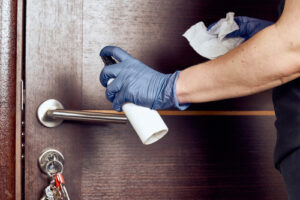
(204, 155)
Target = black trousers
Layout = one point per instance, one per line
(286, 99)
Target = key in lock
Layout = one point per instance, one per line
(51, 162)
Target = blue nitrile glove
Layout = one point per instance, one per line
(248, 27)
(137, 83)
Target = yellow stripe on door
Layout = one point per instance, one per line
(201, 113)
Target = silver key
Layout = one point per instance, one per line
(65, 192)
(49, 193)
(52, 192)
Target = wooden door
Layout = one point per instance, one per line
(205, 155)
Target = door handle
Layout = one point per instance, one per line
(51, 113)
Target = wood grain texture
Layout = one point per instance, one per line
(53, 70)
(202, 157)
(8, 35)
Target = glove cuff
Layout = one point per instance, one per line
(176, 104)
(166, 96)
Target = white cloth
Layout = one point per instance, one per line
(213, 43)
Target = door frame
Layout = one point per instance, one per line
(20, 98)
(8, 97)
(11, 97)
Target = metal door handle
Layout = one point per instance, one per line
(51, 113)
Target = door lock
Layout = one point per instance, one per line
(51, 162)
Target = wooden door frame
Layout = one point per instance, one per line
(20, 98)
(8, 97)
(11, 57)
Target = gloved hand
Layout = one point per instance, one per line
(248, 27)
(137, 83)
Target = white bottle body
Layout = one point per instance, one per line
(147, 123)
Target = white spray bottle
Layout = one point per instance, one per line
(147, 123)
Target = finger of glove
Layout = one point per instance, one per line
(242, 31)
(119, 101)
(115, 52)
(248, 27)
(110, 71)
(112, 89)
(237, 33)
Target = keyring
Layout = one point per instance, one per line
(53, 167)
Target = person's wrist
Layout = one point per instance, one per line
(180, 89)
(178, 92)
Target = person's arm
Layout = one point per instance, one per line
(269, 59)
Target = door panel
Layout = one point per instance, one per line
(200, 158)
(53, 70)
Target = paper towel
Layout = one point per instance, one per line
(213, 43)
